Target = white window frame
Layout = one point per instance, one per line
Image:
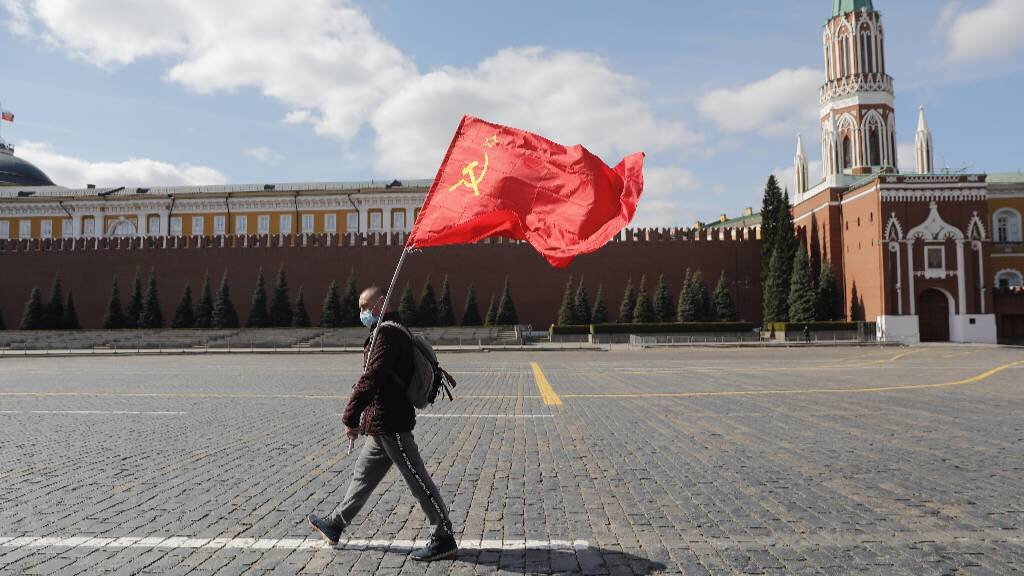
(379, 217)
(174, 226)
(931, 271)
(263, 224)
(198, 222)
(89, 226)
(330, 223)
(398, 219)
(24, 229)
(284, 224)
(352, 222)
(308, 223)
(220, 225)
(67, 228)
(1014, 278)
(153, 225)
(1008, 231)
(241, 224)
(46, 228)
(5, 229)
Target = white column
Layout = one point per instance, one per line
(364, 218)
(910, 277)
(981, 273)
(140, 219)
(961, 282)
(76, 225)
(165, 222)
(894, 248)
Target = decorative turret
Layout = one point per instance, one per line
(858, 94)
(923, 145)
(800, 166)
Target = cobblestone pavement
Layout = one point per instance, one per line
(692, 461)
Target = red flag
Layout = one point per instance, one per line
(500, 181)
(7, 116)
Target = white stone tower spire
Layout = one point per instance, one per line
(800, 165)
(923, 145)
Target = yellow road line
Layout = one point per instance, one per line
(546, 391)
(965, 381)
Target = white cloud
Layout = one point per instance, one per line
(670, 198)
(76, 172)
(782, 104)
(569, 97)
(264, 154)
(324, 60)
(990, 31)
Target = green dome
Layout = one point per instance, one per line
(840, 7)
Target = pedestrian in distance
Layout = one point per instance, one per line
(380, 410)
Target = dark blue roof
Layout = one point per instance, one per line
(17, 172)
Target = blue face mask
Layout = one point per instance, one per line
(367, 318)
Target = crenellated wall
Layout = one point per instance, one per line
(86, 266)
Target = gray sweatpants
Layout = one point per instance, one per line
(375, 459)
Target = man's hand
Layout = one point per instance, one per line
(351, 433)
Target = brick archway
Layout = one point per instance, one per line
(934, 307)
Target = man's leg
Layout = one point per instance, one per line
(406, 455)
(371, 466)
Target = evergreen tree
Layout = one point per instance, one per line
(802, 297)
(492, 313)
(300, 317)
(350, 304)
(114, 318)
(725, 309)
(445, 312)
(426, 312)
(70, 320)
(506, 315)
(854, 303)
(770, 204)
(600, 313)
(133, 313)
(776, 294)
(224, 315)
(204, 312)
(152, 316)
(408, 308)
(628, 303)
(330, 314)
(184, 316)
(258, 307)
(663, 309)
(471, 311)
(567, 310)
(582, 305)
(643, 312)
(280, 303)
(702, 301)
(828, 296)
(34, 317)
(684, 308)
(54, 313)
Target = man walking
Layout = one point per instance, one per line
(379, 409)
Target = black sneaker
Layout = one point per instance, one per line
(437, 549)
(328, 529)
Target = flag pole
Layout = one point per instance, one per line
(387, 298)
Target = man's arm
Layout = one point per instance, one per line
(378, 370)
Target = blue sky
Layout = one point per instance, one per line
(183, 91)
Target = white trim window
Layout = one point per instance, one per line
(197, 225)
(330, 223)
(376, 220)
(5, 229)
(1007, 225)
(89, 226)
(153, 226)
(935, 261)
(307, 224)
(25, 229)
(241, 224)
(284, 224)
(46, 229)
(175, 226)
(398, 219)
(219, 225)
(263, 224)
(352, 222)
(1009, 279)
(67, 228)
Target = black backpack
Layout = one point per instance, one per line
(428, 378)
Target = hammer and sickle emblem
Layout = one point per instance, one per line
(470, 179)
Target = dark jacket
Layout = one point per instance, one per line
(378, 404)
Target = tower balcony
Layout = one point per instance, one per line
(854, 83)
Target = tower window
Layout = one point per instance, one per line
(847, 153)
(875, 147)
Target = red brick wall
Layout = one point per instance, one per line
(537, 288)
